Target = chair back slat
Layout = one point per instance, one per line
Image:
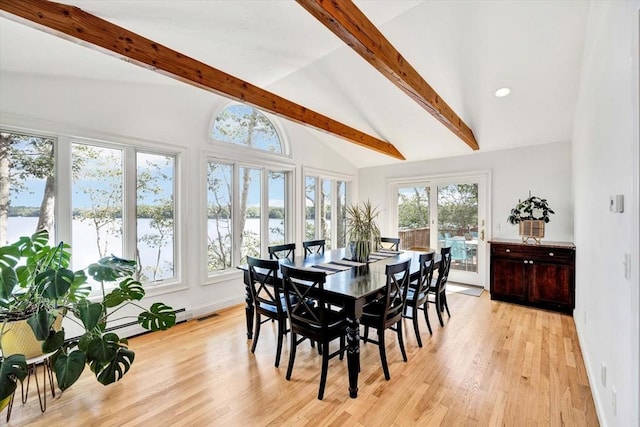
(285, 251)
(396, 291)
(426, 275)
(303, 290)
(393, 243)
(264, 283)
(312, 247)
(443, 269)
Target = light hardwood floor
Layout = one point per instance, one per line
(492, 364)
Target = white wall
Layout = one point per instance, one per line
(165, 116)
(605, 162)
(543, 169)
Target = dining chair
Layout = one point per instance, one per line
(267, 299)
(459, 250)
(386, 312)
(285, 251)
(312, 318)
(418, 294)
(438, 287)
(312, 247)
(393, 243)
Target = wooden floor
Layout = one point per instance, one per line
(492, 364)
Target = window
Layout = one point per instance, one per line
(97, 203)
(90, 199)
(244, 125)
(27, 185)
(155, 216)
(247, 206)
(259, 224)
(327, 221)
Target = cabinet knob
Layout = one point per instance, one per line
(507, 250)
(525, 261)
(550, 253)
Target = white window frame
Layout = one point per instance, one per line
(319, 175)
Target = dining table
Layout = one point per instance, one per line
(349, 284)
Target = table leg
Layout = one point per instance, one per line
(353, 354)
(249, 306)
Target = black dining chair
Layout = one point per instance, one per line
(267, 299)
(392, 243)
(438, 288)
(312, 247)
(312, 318)
(418, 294)
(386, 312)
(285, 251)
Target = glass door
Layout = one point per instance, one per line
(451, 213)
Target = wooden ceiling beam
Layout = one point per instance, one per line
(347, 22)
(74, 24)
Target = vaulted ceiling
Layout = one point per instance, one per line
(465, 50)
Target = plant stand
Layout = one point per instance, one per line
(532, 229)
(32, 368)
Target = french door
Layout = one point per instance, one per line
(446, 212)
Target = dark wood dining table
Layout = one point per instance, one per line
(351, 289)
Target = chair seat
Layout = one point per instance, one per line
(335, 324)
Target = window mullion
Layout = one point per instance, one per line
(63, 190)
(129, 206)
(264, 211)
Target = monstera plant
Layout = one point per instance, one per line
(37, 285)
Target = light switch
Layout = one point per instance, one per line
(616, 203)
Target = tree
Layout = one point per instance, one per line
(24, 158)
(97, 174)
(151, 183)
(242, 125)
(458, 207)
(413, 209)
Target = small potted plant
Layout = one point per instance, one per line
(37, 287)
(532, 214)
(362, 230)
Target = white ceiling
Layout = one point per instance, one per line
(464, 49)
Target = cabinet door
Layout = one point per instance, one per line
(550, 284)
(508, 279)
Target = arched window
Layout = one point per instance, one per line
(244, 125)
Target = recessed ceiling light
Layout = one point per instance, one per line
(502, 92)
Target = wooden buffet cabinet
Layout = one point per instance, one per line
(535, 275)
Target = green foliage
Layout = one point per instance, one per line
(38, 286)
(12, 369)
(533, 208)
(413, 210)
(362, 229)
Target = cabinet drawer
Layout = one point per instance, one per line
(533, 252)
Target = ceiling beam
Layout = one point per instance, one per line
(74, 24)
(347, 22)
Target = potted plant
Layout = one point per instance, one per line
(532, 214)
(362, 230)
(37, 286)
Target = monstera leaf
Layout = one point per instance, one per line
(90, 314)
(13, 368)
(68, 368)
(40, 323)
(8, 281)
(129, 290)
(109, 358)
(111, 268)
(118, 366)
(159, 317)
(54, 283)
